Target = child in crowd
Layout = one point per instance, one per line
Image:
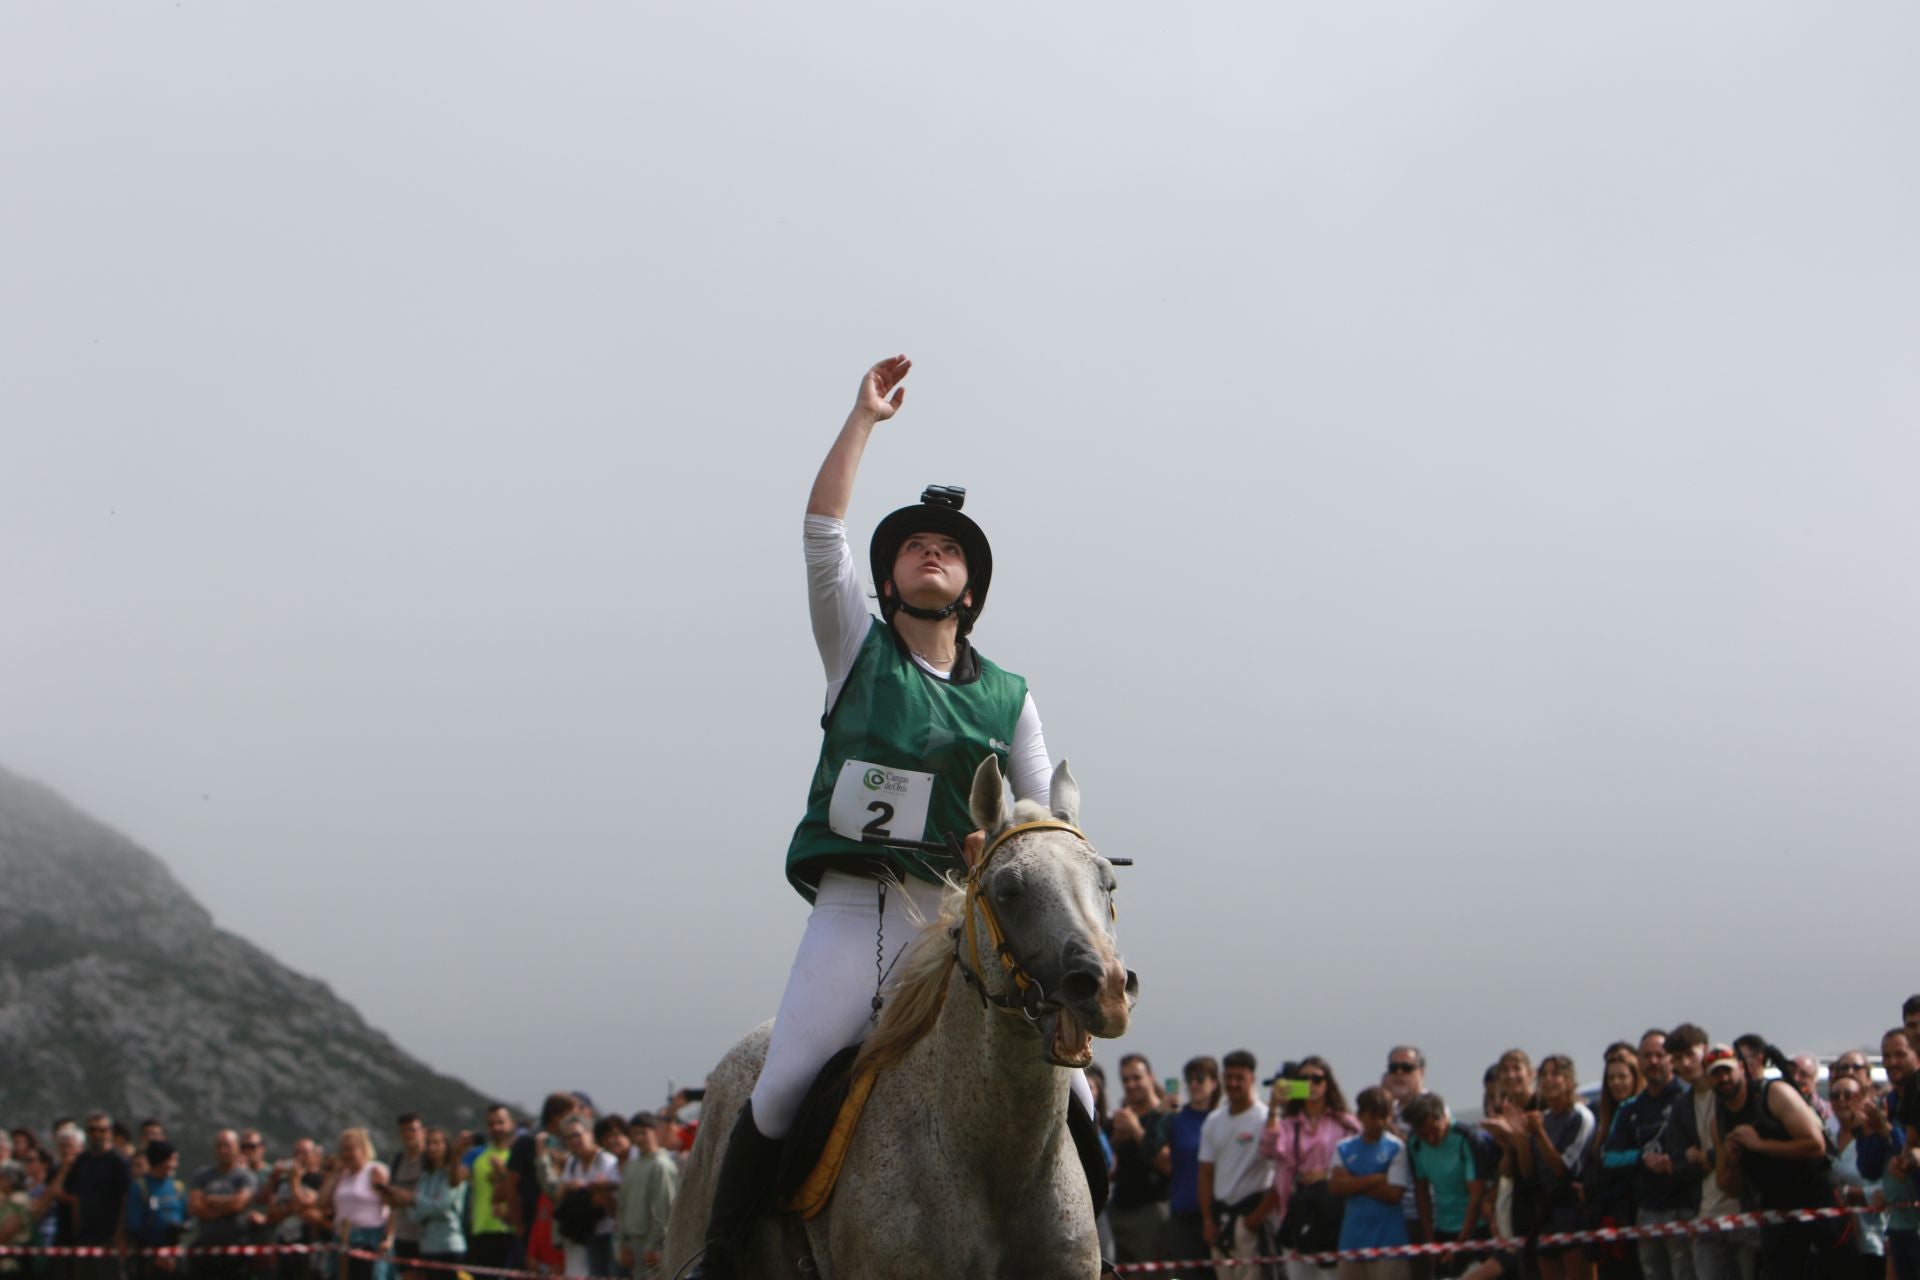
(1449, 1177)
(1370, 1171)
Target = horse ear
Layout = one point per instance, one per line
(988, 803)
(1064, 795)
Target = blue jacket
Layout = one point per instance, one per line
(1657, 1122)
(156, 1209)
(1878, 1148)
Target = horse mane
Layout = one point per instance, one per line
(916, 997)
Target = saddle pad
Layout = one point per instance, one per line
(814, 1191)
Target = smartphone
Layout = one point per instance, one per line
(1173, 1084)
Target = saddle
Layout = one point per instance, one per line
(816, 1148)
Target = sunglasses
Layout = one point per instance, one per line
(1842, 1068)
(1403, 1068)
(1313, 1077)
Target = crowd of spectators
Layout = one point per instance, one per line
(570, 1191)
(1203, 1166)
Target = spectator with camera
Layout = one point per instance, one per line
(1307, 1119)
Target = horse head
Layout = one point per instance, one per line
(1044, 898)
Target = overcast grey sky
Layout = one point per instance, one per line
(1452, 470)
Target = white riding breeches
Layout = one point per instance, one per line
(829, 996)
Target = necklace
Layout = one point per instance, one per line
(929, 658)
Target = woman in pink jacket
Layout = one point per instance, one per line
(1300, 1136)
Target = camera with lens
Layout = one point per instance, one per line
(944, 495)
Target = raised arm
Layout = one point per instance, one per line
(881, 396)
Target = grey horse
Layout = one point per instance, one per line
(962, 1165)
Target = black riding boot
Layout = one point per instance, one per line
(1093, 1160)
(1086, 1142)
(740, 1195)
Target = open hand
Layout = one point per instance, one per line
(881, 394)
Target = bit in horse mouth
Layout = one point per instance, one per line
(1067, 1041)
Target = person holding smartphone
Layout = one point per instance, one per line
(1308, 1119)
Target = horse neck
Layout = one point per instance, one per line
(1000, 1103)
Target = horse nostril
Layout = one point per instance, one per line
(1133, 984)
(1080, 986)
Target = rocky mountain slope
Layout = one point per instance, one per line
(117, 991)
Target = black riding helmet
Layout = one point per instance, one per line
(938, 511)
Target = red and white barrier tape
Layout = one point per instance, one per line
(1599, 1235)
(268, 1250)
(159, 1251)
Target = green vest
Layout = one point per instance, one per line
(899, 725)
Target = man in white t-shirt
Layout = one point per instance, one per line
(1234, 1176)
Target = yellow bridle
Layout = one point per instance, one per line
(1032, 999)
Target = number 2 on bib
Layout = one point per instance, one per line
(872, 801)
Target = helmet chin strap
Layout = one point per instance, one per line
(929, 615)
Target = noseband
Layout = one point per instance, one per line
(1028, 1000)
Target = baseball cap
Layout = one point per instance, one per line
(1721, 1055)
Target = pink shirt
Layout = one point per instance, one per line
(1301, 1142)
(355, 1202)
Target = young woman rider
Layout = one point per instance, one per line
(911, 710)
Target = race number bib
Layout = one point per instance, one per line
(872, 800)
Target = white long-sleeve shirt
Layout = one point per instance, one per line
(838, 605)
